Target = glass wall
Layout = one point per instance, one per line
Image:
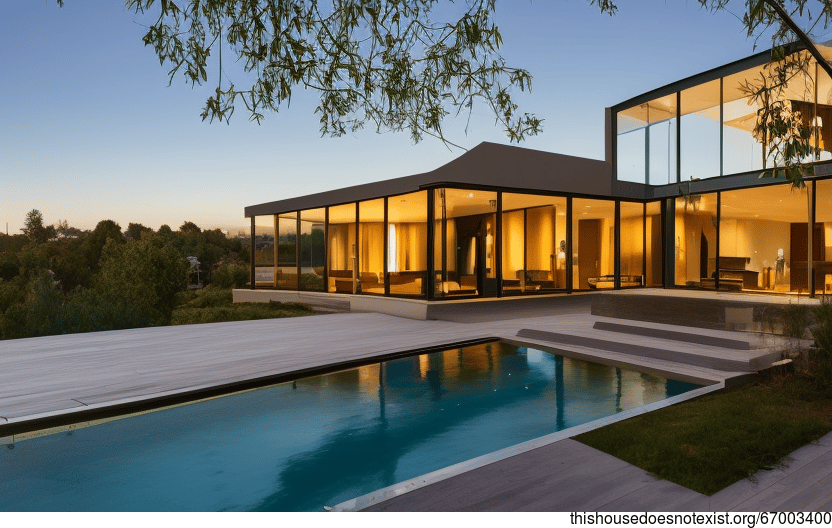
(632, 244)
(653, 245)
(715, 137)
(312, 249)
(407, 239)
(286, 270)
(341, 249)
(593, 241)
(700, 132)
(630, 144)
(646, 142)
(695, 240)
(662, 140)
(265, 226)
(464, 251)
(371, 247)
(533, 243)
(763, 238)
(743, 152)
(822, 259)
(823, 121)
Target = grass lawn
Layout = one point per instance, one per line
(215, 305)
(711, 442)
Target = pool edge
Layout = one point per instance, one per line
(395, 490)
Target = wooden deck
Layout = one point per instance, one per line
(62, 376)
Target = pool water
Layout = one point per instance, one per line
(319, 441)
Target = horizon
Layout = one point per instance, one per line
(92, 130)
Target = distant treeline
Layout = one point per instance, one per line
(60, 279)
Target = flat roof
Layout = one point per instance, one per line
(488, 165)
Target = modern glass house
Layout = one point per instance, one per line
(678, 202)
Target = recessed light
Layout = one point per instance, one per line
(471, 195)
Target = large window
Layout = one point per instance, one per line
(286, 270)
(371, 247)
(593, 244)
(265, 250)
(631, 124)
(533, 243)
(716, 128)
(646, 142)
(653, 245)
(695, 241)
(341, 249)
(465, 242)
(700, 132)
(822, 258)
(407, 238)
(632, 244)
(312, 249)
(763, 239)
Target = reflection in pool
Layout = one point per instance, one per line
(320, 440)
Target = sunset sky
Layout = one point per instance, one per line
(90, 129)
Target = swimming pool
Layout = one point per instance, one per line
(320, 440)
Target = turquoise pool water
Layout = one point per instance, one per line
(320, 440)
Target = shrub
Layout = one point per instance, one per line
(796, 321)
(821, 360)
(230, 276)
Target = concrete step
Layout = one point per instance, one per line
(716, 363)
(735, 344)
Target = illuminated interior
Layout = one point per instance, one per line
(342, 253)
(407, 244)
(502, 221)
(465, 243)
(763, 234)
(593, 236)
(533, 243)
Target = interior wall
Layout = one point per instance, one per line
(513, 249)
(541, 238)
(653, 273)
(757, 239)
(606, 249)
(632, 243)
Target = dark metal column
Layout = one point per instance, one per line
(498, 244)
(617, 246)
(569, 253)
(718, 223)
(669, 232)
(431, 243)
(644, 244)
(386, 254)
(810, 246)
(252, 270)
(326, 249)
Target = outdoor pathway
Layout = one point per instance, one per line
(569, 476)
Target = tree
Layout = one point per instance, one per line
(94, 242)
(134, 231)
(34, 229)
(190, 228)
(388, 63)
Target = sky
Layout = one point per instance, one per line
(90, 128)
